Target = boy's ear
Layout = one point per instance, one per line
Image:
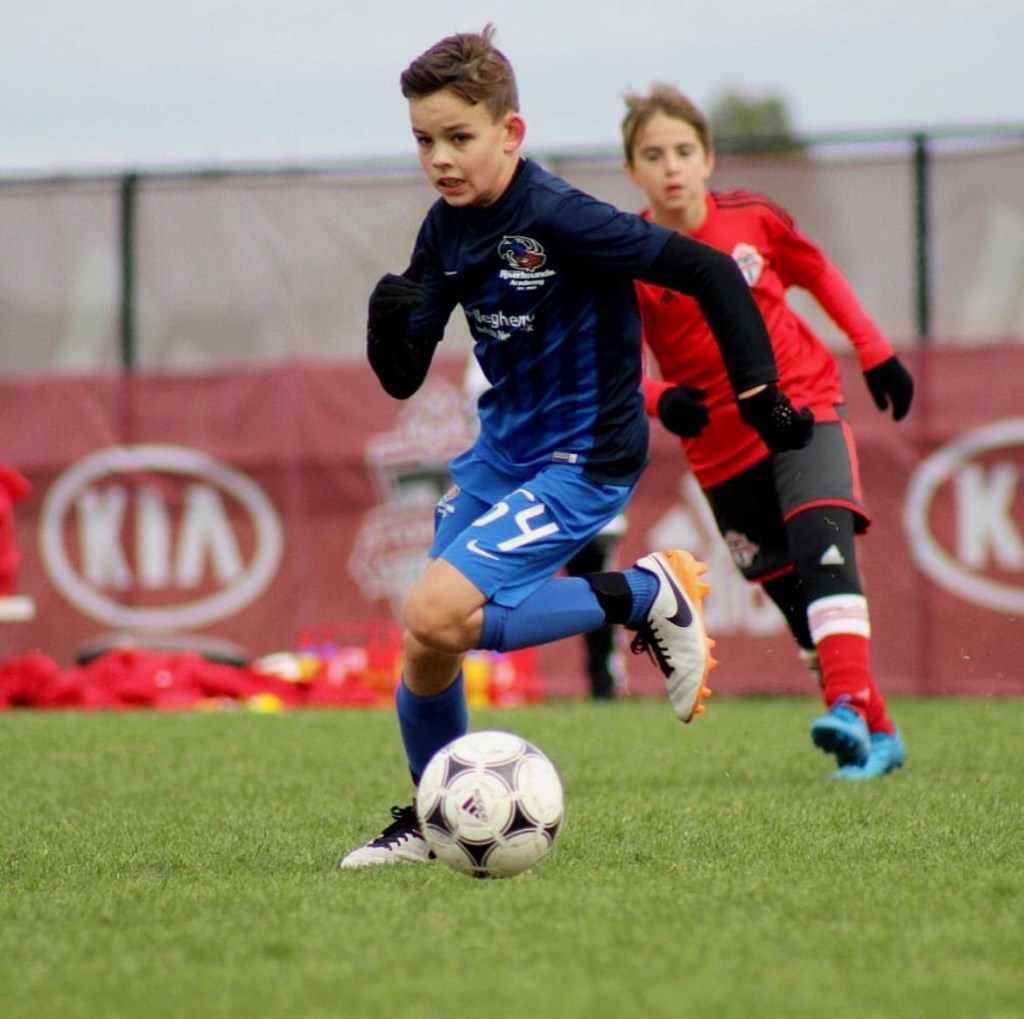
(515, 132)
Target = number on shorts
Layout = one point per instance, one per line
(523, 520)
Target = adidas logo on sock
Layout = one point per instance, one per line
(832, 557)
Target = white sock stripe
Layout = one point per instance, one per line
(862, 629)
(839, 613)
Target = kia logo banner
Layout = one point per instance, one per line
(251, 506)
(964, 516)
(148, 538)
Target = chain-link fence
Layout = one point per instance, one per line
(203, 270)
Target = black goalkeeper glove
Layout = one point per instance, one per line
(393, 300)
(891, 383)
(774, 418)
(682, 410)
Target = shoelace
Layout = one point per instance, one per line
(646, 642)
(404, 825)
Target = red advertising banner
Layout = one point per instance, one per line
(254, 506)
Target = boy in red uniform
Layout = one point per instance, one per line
(789, 518)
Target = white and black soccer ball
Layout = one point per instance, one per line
(490, 804)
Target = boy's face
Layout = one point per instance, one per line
(468, 157)
(670, 165)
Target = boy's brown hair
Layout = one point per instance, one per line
(469, 65)
(661, 99)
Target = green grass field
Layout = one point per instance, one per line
(159, 865)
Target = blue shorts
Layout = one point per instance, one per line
(510, 535)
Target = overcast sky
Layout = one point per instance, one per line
(115, 84)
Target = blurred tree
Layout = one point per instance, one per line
(744, 123)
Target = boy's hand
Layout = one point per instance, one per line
(890, 382)
(682, 410)
(394, 298)
(400, 363)
(773, 417)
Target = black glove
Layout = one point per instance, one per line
(682, 410)
(890, 382)
(774, 418)
(393, 300)
(401, 363)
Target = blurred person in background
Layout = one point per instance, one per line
(14, 487)
(789, 518)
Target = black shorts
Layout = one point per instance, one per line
(752, 508)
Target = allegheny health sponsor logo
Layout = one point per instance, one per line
(964, 516)
(158, 537)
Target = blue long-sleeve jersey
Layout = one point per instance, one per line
(545, 278)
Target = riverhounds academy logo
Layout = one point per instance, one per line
(964, 516)
(525, 259)
(522, 253)
(158, 538)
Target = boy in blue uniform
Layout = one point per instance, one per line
(544, 274)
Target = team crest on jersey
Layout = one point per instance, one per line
(525, 259)
(741, 548)
(522, 252)
(445, 505)
(750, 261)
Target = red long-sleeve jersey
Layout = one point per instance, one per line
(773, 255)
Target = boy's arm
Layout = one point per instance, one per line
(885, 374)
(802, 263)
(714, 280)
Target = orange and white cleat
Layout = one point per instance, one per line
(674, 634)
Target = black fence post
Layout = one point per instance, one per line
(129, 184)
(922, 238)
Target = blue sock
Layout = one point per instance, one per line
(644, 587)
(429, 723)
(563, 607)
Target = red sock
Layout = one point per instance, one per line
(878, 717)
(846, 671)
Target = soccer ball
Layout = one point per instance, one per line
(490, 804)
